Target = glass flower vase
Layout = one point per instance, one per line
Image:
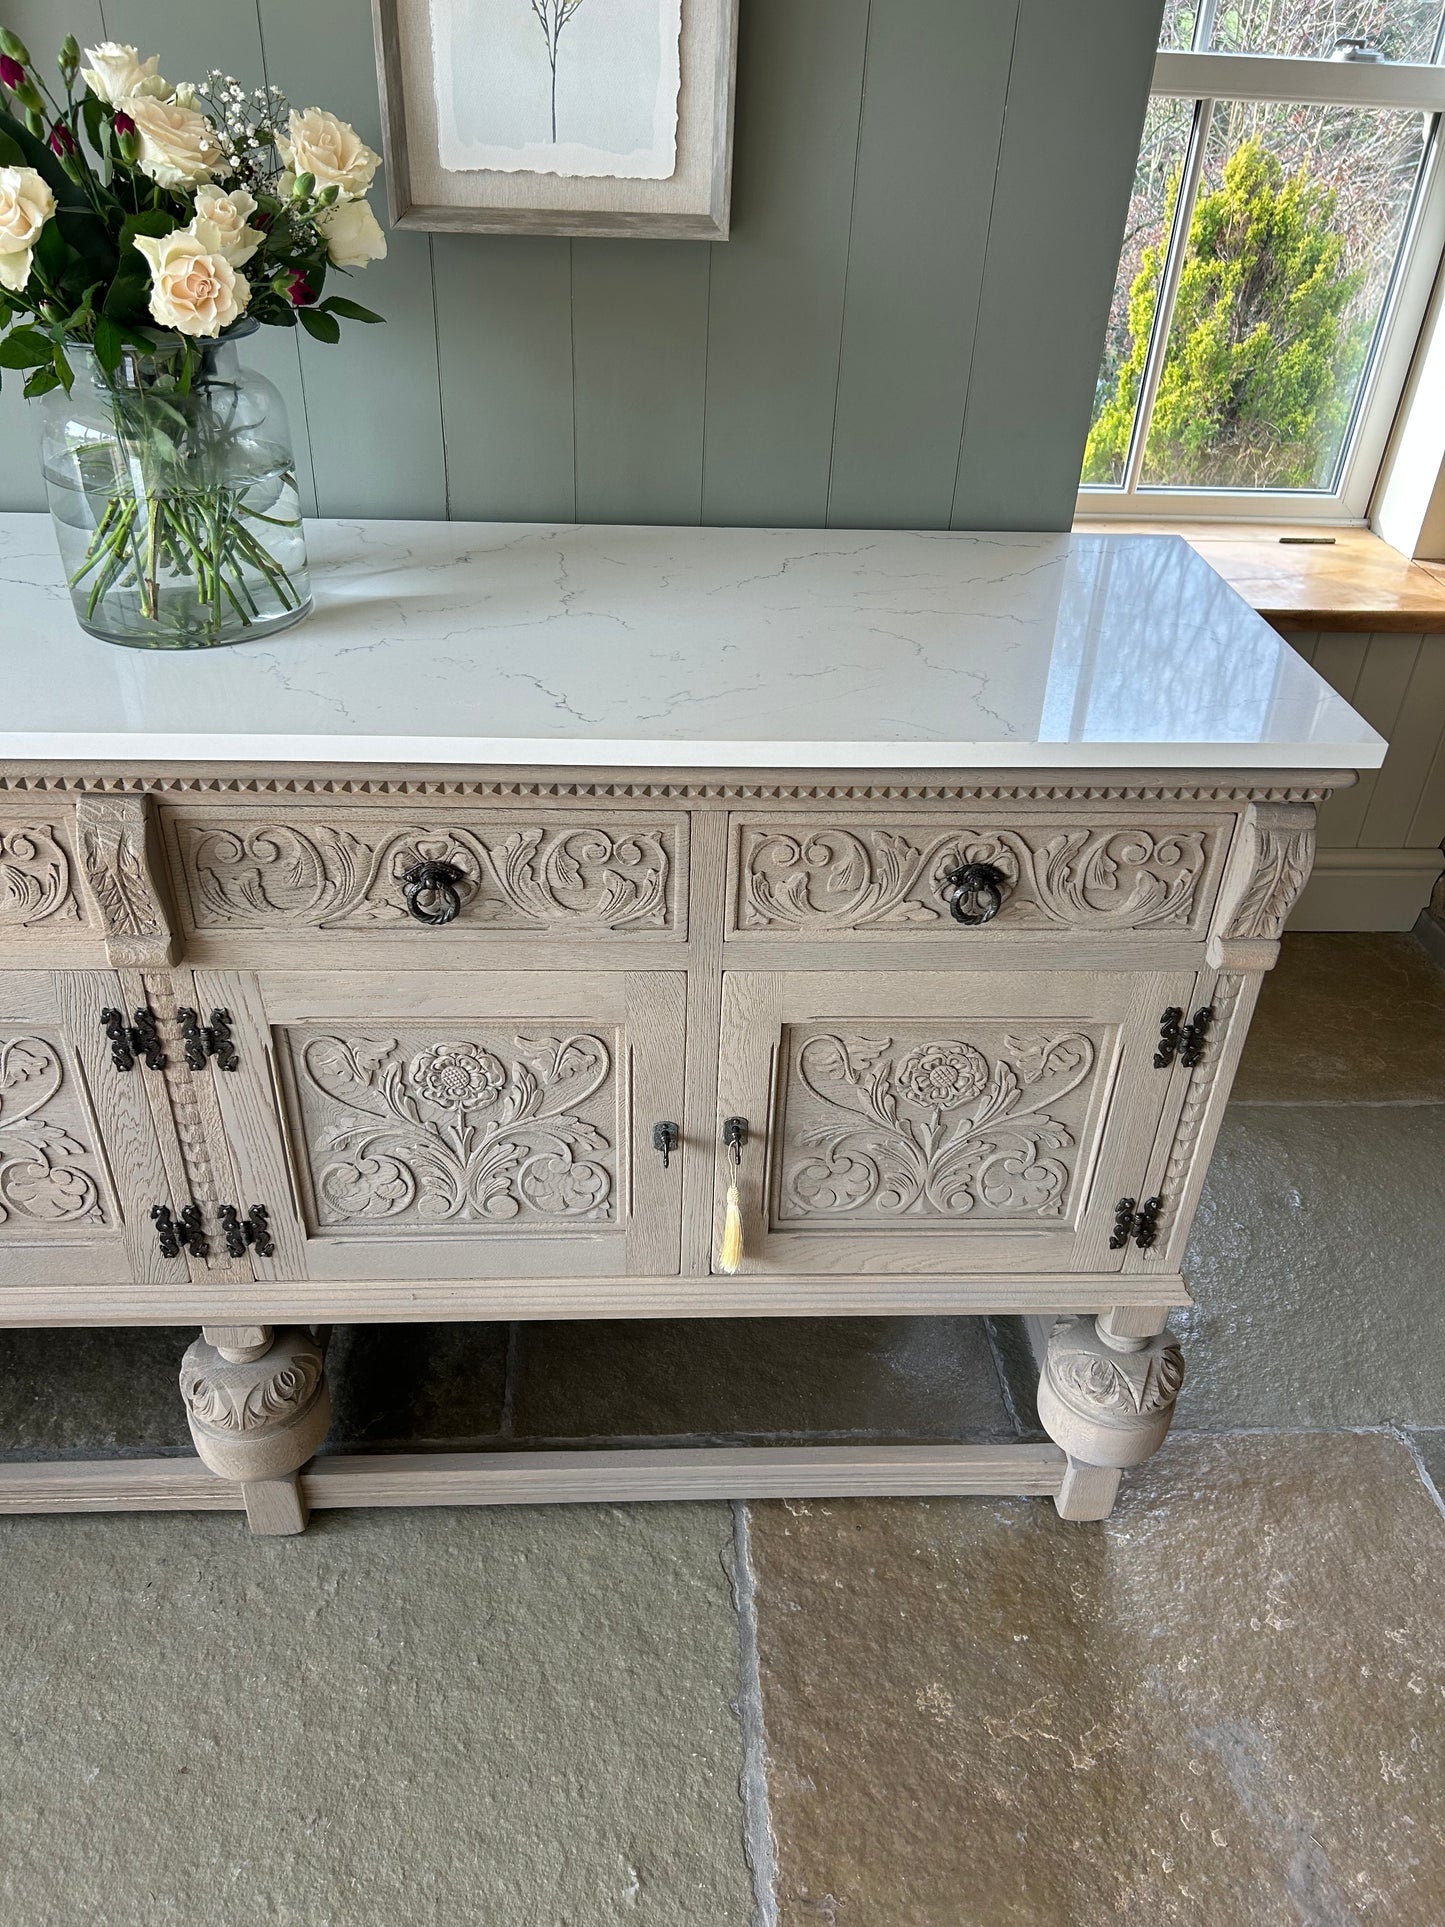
(172, 486)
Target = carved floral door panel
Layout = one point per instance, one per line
(940, 1122)
(80, 1163)
(456, 1125)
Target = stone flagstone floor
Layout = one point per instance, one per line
(1221, 1707)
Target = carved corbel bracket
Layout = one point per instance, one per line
(257, 1418)
(1266, 874)
(1108, 1401)
(116, 840)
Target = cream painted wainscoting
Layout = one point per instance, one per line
(1379, 852)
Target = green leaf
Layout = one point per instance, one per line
(26, 348)
(40, 383)
(62, 369)
(12, 154)
(153, 223)
(107, 344)
(349, 310)
(323, 327)
(128, 294)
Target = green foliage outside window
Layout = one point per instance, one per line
(1264, 347)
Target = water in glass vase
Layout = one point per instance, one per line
(172, 488)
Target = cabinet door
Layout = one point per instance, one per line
(940, 1121)
(80, 1163)
(419, 1125)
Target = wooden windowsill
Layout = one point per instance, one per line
(1355, 582)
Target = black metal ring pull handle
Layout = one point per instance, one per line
(975, 892)
(431, 892)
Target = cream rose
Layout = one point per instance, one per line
(194, 288)
(178, 146)
(318, 143)
(116, 73)
(26, 204)
(227, 210)
(352, 234)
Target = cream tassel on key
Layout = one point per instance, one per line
(735, 1132)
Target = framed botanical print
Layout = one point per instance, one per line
(604, 117)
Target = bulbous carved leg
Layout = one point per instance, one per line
(1107, 1400)
(258, 1407)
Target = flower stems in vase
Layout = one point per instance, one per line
(145, 229)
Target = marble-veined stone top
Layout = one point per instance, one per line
(686, 648)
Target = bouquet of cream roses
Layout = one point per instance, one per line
(139, 222)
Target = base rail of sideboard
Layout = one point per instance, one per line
(546, 1477)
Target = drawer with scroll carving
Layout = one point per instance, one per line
(817, 877)
(40, 890)
(308, 874)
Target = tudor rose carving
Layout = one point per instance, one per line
(44, 1179)
(933, 1127)
(458, 1131)
(330, 875)
(837, 876)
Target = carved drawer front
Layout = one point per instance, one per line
(893, 876)
(41, 904)
(940, 1122)
(79, 1158)
(306, 875)
(456, 1125)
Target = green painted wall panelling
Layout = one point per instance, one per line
(904, 328)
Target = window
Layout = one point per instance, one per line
(1286, 224)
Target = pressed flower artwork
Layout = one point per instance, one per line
(581, 88)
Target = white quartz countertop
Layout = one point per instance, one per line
(685, 648)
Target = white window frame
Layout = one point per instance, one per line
(1205, 78)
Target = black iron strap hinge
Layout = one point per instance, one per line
(211, 1040)
(1181, 1040)
(131, 1041)
(172, 1232)
(253, 1229)
(1137, 1221)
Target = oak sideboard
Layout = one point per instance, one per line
(452, 956)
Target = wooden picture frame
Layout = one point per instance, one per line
(692, 204)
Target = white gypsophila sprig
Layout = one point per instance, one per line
(246, 124)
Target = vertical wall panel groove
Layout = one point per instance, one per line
(932, 119)
(372, 401)
(1077, 92)
(639, 343)
(504, 334)
(776, 302)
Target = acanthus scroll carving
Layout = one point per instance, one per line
(330, 876)
(35, 879)
(840, 876)
(1106, 1383)
(112, 834)
(251, 1397)
(47, 1174)
(1282, 860)
(453, 1132)
(934, 1128)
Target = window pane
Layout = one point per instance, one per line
(1399, 29)
(1131, 313)
(1291, 249)
(1176, 30)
